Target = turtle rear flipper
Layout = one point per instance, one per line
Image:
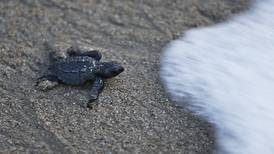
(47, 82)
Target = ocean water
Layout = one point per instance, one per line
(225, 73)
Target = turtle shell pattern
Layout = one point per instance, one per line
(75, 70)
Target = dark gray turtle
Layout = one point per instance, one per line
(81, 66)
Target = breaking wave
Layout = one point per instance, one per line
(225, 73)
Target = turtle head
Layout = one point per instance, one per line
(110, 69)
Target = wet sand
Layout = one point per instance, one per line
(133, 114)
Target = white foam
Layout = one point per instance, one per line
(226, 74)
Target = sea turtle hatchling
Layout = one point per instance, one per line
(79, 67)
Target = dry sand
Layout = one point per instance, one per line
(133, 115)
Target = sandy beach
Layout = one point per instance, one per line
(133, 114)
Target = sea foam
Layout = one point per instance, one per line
(225, 73)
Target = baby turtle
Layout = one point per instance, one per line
(79, 67)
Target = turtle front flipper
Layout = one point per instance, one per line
(76, 51)
(96, 89)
